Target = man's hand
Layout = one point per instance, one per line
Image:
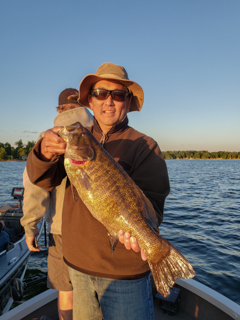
(30, 241)
(52, 144)
(130, 243)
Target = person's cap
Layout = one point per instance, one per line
(111, 71)
(68, 95)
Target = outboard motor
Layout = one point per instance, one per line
(16, 289)
(17, 286)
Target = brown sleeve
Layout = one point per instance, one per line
(45, 174)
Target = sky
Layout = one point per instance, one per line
(185, 54)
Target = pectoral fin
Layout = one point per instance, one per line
(113, 240)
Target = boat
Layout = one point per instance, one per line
(13, 260)
(188, 300)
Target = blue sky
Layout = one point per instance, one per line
(184, 54)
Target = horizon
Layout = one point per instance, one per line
(177, 150)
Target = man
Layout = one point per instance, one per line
(10, 231)
(4, 237)
(38, 203)
(104, 285)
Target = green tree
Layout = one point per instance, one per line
(19, 144)
(189, 154)
(224, 155)
(205, 155)
(15, 153)
(167, 155)
(21, 152)
(213, 155)
(29, 146)
(197, 155)
(234, 155)
(8, 147)
(3, 154)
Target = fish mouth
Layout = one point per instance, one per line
(77, 162)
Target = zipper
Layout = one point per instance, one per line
(102, 141)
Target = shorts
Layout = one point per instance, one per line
(58, 276)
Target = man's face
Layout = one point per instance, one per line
(109, 112)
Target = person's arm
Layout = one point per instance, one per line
(44, 171)
(45, 162)
(35, 204)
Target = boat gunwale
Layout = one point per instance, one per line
(31, 305)
(215, 298)
(221, 302)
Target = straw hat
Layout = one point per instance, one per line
(110, 71)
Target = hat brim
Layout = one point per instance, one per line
(88, 82)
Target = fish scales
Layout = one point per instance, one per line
(119, 204)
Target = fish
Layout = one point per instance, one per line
(114, 199)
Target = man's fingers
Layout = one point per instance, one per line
(130, 243)
(134, 244)
(52, 144)
(30, 241)
(51, 138)
(121, 236)
(144, 258)
(32, 248)
(127, 242)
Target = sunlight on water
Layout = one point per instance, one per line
(202, 219)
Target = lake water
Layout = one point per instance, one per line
(201, 219)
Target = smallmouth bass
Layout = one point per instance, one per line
(118, 203)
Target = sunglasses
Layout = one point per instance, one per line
(103, 94)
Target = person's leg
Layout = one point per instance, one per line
(126, 299)
(65, 305)
(58, 277)
(85, 299)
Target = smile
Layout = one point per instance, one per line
(109, 111)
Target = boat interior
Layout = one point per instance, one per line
(12, 221)
(11, 215)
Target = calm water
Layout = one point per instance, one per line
(201, 219)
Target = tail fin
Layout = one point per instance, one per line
(171, 267)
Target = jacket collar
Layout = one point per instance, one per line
(116, 128)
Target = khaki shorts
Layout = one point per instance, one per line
(58, 276)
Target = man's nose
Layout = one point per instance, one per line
(109, 100)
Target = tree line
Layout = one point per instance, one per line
(21, 151)
(200, 155)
